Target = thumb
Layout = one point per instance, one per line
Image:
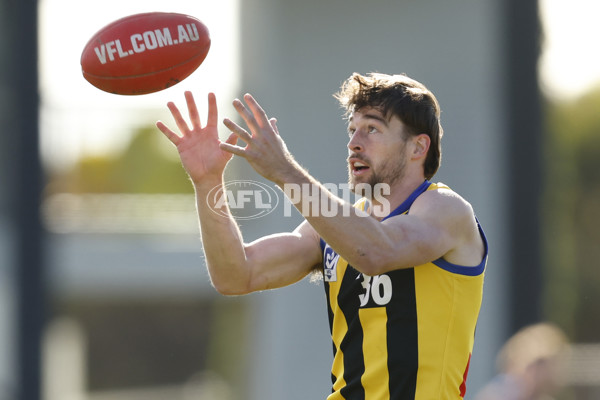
(232, 139)
(273, 122)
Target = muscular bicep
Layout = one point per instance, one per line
(282, 259)
(437, 225)
(419, 240)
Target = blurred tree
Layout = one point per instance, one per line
(572, 216)
(145, 166)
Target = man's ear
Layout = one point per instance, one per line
(421, 145)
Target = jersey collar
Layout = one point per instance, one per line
(405, 206)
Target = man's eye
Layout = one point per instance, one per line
(371, 129)
(351, 131)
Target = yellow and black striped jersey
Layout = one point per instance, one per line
(405, 334)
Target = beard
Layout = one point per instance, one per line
(388, 172)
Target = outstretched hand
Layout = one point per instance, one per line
(265, 150)
(199, 147)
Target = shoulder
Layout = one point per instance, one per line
(455, 219)
(443, 202)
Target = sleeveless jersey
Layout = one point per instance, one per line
(405, 334)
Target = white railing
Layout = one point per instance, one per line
(120, 213)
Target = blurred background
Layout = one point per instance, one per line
(103, 289)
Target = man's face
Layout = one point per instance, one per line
(376, 150)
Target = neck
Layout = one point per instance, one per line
(400, 191)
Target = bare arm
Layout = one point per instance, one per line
(439, 224)
(234, 267)
(270, 262)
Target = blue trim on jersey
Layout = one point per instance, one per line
(461, 269)
(404, 207)
(322, 244)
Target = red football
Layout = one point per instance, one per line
(145, 53)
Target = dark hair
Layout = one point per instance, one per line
(398, 95)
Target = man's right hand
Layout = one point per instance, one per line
(198, 147)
